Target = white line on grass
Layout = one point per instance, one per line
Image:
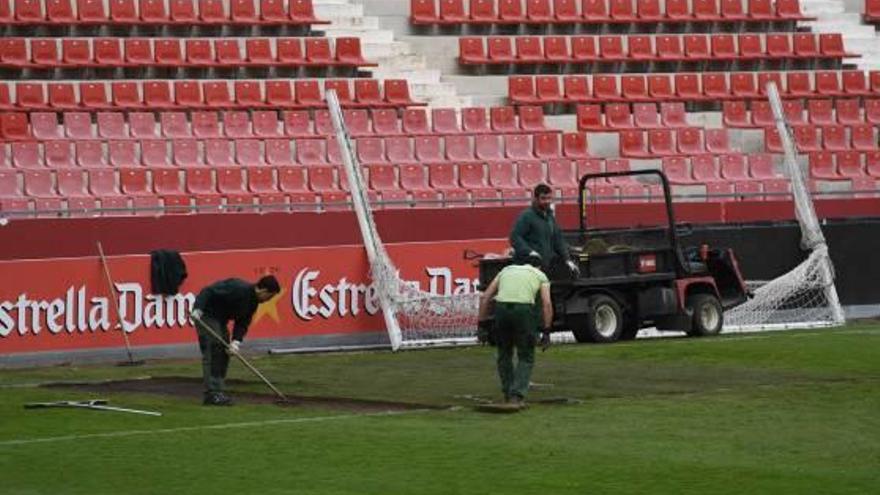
(222, 426)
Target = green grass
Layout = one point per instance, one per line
(781, 413)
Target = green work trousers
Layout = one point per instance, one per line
(215, 359)
(515, 326)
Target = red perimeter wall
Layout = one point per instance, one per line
(54, 238)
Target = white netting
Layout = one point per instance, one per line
(797, 299)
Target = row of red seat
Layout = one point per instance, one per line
(649, 48)
(154, 12)
(810, 138)
(672, 142)
(205, 94)
(454, 12)
(708, 86)
(616, 116)
(842, 165)
(266, 123)
(817, 112)
(43, 53)
(702, 169)
(450, 179)
(314, 151)
(412, 182)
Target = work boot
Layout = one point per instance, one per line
(217, 399)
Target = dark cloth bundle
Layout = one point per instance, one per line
(167, 271)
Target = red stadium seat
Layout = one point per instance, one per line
(427, 149)
(444, 121)
(822, 166)
(583, 48)
(863, 137)
(415, 121)
(735, 114)
(556, 49)
(689, 139)
(590, 117)
(576, 89)
(676, 170)
(529, 49)
(574, 145)
(618, 116)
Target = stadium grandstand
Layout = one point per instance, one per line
(136, 107)
(147, 123)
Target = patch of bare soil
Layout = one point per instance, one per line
(192, 388)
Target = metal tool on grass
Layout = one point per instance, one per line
(115, 296)
(94, 404)
(198, 321)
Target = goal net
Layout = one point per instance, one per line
(413, 317)
(806, 295)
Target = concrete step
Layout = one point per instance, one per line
(433, 89)
(331, 10)
(815, 8)
(353, 23)
(419, 76)
(377, 51)
(449, 102)
(403, 62)
(479, 85)
(365, 35)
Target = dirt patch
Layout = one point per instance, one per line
(191, 388)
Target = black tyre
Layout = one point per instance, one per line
(604, 322)
(707, 316)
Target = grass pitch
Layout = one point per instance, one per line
(777, 413)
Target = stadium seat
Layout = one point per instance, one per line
(863, 137)
(58, 154)
(574, 145)
(111, 125)
(822, 166)
(705, 170)
(415, 121)
(278, 152)
(427, 149)
(676, 170)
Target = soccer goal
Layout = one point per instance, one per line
(413, 317)
(804, 297)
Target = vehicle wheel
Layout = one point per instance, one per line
(707, 316)
(604, 323)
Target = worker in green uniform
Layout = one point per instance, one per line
(516, 290)
(230, 299)
(536, 233)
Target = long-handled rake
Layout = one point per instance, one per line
(255, 371)
(115, 296)
(94, 404)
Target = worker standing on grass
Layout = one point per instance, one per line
(536, 233)
(516, 290)
(230, 299)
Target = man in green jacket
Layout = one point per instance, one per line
(536, 233)
(230, 299)
(515, 291)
